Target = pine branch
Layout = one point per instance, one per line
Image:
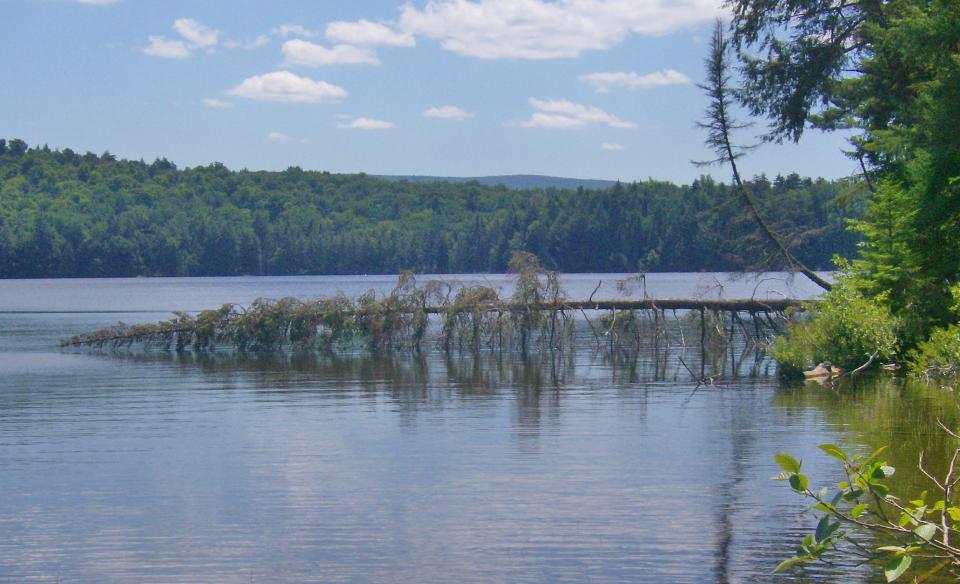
(720, 124)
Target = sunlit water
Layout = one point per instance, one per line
(133, 467)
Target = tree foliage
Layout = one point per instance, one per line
(889, 72)
(69, 214)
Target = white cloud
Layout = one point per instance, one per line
(283, 86)
(165, 48)
(260, 41)
(216, 103)
(197, 35)
(559, 121)
(293, 29)
(367, 124)
(603, 82)
(447, 112)
(364, 32)
(193, 35)
(277, 137)
(305, 53)
(564, 114)
(611, 146)
(542, 29)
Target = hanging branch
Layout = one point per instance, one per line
(719, 125)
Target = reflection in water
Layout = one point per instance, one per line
(895, 413)
(584, 465)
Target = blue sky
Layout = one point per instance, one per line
(584, 88)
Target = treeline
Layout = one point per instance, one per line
(64, 213)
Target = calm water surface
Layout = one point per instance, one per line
(133, 467)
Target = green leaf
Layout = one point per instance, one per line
(954, 513)
(825, 529)
(858, 510)
(822, 527)
(837, 498)
(790, 562)
(834, 451)
(896, 567)
(877, 453)
(926, 531)
(787, 462)
(799, 482)
(853, 495)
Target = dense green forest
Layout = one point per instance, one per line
(64, 213)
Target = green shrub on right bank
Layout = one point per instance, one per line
(845, 329)
(937, 359)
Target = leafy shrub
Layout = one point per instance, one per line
(904, 528)
(846, 328)
(937, 359)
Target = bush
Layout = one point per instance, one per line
(798, 351)
(846, 328)
(938, 358)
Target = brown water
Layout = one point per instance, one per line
(132, 467)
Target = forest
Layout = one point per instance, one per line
(70, 214)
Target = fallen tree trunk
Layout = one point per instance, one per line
(269, 325)
(719, 305)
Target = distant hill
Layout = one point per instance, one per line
(512, 181)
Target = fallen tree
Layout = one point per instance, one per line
(537, 315)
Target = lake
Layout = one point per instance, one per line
(153, 467)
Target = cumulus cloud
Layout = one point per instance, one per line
(277, 137)
(283, 86)
(364, 32)
(161, 46)
(293, 29)
(603, 82)
(565, 114)
(216, 103)
(195, 34)
(447, 112)
(611, 146)
(541, 29)
(305, 53)
(367, 124)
